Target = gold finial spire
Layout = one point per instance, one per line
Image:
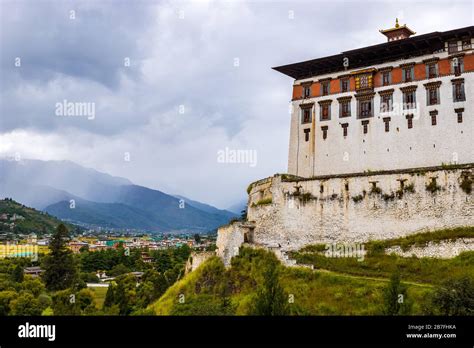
(396, 23)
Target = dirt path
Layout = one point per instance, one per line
(372, 278)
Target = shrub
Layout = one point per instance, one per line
(315, 248)
(409, 188)
(306, 197)
(264, 201)
(433, 186)
(395, 300)
(388, 197)
(455, 297)
(466, 184)
(375, 190)
(357, 198)
(25, 304)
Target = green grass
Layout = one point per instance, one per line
(323, 293)
(313, 292)
(421, 239)
(338, 286)
(99, 295)
(377, 264)
(263, 201)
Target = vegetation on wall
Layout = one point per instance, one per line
(263, 201)
(466, 184)
(433, 186)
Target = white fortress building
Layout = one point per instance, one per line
(381, 146)
(405, 103)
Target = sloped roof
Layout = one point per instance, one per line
(376, 54)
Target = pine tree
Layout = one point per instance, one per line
(271, 297)
(395, 297)
(110, 296)
(60, 269)
(18, 274)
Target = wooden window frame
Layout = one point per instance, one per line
(345, 85)
(304, 119)
(325, 132)
(386, 120)
(325, 88)
(409, 118)
(307, 132)
(365, 126)
(459, 96)
(344, 129)
(433, 115)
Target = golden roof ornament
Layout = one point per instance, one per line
(398, 32)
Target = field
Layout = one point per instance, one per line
(99, 295)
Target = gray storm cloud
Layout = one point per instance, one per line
(165, 84)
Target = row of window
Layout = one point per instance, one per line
(453, 46)
(365, 106)
(386, 120)
(408, 75)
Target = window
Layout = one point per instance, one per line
(325, 88)
(386, 102)
(344, 108)
(452, 46)
(431, 70)
(466, 44)
(365, 108)
(458, 91)
(325, 132)
(344, 128)
(364, 81)
(407, 74)
(432, 96)
(306, 91)
(387, 123)
(345, 85)
(306, 115)
(365, 126)
(409, 100)
(325, 110)
(459, 114)
(457, 65)
(386, 78)
(306, 134)
(433, 115)
(410, 121)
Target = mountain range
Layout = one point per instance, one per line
(85, 196)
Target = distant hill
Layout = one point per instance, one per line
(103, 200)
(26, 220)
(139, 207)
(41, 183)
(238, 207)
(206, 207)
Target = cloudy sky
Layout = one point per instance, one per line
(173, 83)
